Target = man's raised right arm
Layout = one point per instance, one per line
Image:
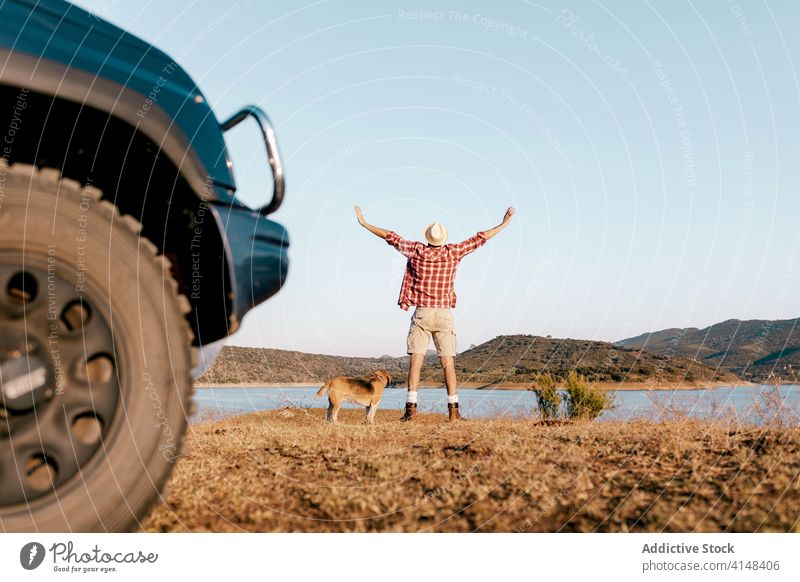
(376, 230)
(391, 237)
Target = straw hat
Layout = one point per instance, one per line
(436, 234)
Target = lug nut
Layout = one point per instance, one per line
(87, 429)
(75, 316)
(40, 473)
(97, 370)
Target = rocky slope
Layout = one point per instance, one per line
(513, 359)
(751, 349)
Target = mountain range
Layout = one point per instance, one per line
(752, 349)
(509, 359)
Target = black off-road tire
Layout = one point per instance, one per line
(55, 230)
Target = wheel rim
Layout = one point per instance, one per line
(59, 380)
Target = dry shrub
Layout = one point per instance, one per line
(585, 400)
(665, 407)
(547, 396)
(770, 408)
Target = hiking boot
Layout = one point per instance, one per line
(452, 410)
(411, 412)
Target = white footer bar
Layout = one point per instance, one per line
(388, 557)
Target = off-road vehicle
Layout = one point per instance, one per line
(125, 259)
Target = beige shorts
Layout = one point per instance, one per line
(436, 323)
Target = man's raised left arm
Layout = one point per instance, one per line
(487, 234)
(472, 244)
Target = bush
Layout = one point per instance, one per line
(547, 395)
(770, 409)
(585, 400)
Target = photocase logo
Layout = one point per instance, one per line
(31, 555)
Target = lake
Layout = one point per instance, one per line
(740, 402)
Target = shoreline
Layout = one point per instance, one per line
(611, 386)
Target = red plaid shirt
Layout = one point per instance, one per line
(431, 271)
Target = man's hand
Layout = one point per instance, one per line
(487, 234)
(377, 231)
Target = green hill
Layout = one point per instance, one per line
(751, 349)
(513, 359)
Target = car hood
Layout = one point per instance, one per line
(59, 31)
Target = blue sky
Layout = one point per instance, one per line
(651, 151)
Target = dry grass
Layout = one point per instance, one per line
(287, 470)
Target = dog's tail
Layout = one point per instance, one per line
(324, 388)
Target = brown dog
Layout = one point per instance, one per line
(366, 392)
